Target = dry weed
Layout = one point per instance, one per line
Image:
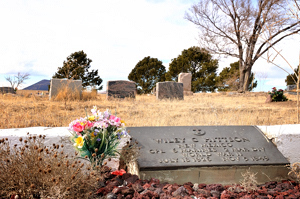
(89, 95)
(32, 170)
(129, 154)
(67, 95)
(249, 181)
(294, 172)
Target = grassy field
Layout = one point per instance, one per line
(25, 110)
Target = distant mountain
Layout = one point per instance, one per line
(41, 85)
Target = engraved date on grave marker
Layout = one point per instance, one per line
(204, 146)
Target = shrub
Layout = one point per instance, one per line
(89, 95)
(31, 170)
(295, 171)
(277, 95)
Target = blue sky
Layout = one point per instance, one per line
(37, 35)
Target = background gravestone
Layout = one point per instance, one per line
(7, 90)
(169, 90)
(292, 89)
(121, 89)
(269, 99)
(66, 88)
(186, 79)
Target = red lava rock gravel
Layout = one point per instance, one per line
(130, 186)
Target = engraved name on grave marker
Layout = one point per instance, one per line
(167, 147)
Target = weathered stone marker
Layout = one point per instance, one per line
(169, 90)
(186, 79)
(168, 149)
(69, 88)
(121, 89)
(7, 90)
(292, 89)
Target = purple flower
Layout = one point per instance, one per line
(106, 114)
(98, 139)
(95, 133)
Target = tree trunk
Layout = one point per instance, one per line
(241, 80)
(244, 80)
(247, 79)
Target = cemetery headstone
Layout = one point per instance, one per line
(7, 90)
(68, 88)
(291, 89)
(269, 99)
(186, 79)
(200, 154)
(121, 89)
(169, 90)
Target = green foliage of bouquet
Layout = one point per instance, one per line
(277, 95)
(97, 136)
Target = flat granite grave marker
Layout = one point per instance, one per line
(167, 152)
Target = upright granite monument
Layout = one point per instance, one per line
(121, 89)
(169, 90)
(66, 88)
(186, 79)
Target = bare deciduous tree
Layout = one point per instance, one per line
(17, 80)
(245, 29)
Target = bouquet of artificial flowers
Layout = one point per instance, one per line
(97, 136)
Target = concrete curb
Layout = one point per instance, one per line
(54, 135)
(285, 137)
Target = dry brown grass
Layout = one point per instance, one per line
(199, 109)
(31, 170)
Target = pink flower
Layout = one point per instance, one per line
(114, 118)
(78, 127)
(88, 125)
